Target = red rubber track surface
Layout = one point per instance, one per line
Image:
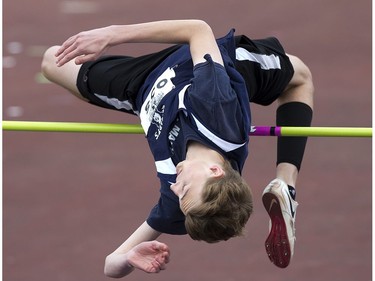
(70, 199)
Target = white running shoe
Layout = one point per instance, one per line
(282, 211)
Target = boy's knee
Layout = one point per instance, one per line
(302, 72)
(49, 60)
(300, 87)
(64, 76)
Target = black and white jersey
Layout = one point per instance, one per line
(179, 103)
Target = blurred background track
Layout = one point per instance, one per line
(70, 199)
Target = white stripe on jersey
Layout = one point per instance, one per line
(266, 62)
(223, 144)
(165, 167)
(181, 95)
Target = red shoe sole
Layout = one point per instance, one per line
(277, 242)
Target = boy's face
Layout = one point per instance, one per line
(192, 176)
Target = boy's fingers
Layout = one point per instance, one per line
(69, 54)
(68, 43)
(166, 258)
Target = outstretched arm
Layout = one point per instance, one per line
(138, 251)
(89, 45)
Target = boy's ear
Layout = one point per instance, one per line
(217, 171)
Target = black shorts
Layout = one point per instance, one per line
(265, 67)
(114, 81)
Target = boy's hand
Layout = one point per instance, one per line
(150, 257)
(84, 46)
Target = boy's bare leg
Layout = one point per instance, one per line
(295, 109)
(65, 76)
(299, 90)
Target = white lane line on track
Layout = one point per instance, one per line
(9, 62)
(78, 7)
(14, 111)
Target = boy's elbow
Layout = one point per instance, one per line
(109, 270)
(116, 266)
(202, 25)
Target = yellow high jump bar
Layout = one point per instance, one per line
(76, 127)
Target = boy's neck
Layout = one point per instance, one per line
(200, 151)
